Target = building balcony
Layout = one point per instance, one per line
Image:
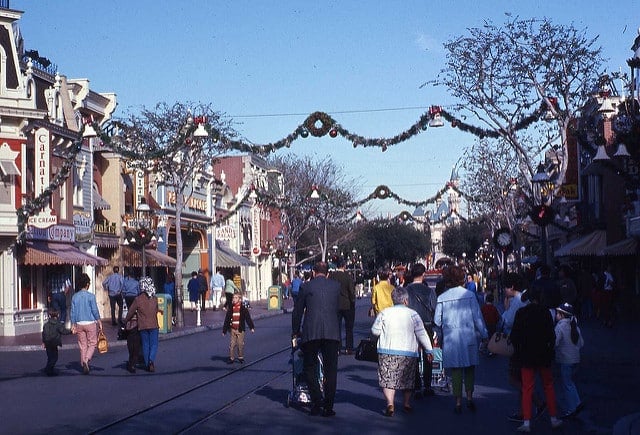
(106, 229)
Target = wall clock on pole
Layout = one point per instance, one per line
(503, 239)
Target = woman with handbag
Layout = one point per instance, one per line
(146, 308)
(399, 329)
(85, 321)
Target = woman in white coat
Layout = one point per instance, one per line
(459, 318)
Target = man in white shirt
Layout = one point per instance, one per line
(216, 284)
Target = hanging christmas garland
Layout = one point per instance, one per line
(380, 192)
(483, 132)
(328, 125)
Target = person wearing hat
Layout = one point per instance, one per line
(146, 307)
(534, 339)
(568, 343)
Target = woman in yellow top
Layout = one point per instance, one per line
(381, 294)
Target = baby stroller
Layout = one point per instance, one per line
(439, 379)
(300, 394)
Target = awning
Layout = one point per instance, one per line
(591, 244)
(8, 160)
(106, 241)
(133, 257)
(625, 247)
(40, 253)
(225, 257)
(99, 203)
(9, 167)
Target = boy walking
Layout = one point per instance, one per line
(235, 321)
(51, 339)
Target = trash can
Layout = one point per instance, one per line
(274, 299)
(165, 303)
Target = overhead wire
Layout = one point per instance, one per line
(333, 112)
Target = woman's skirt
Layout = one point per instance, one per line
(397, 372)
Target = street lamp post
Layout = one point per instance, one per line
(316, 196)
(280, 255)
(142, 231)
(354, 262)
(542, 213)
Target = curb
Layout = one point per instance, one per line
(169, 336)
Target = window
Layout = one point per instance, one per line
(6, 192)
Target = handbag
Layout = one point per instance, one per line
(132, 323)
(103, 344)
(500, 344)
(367, 350)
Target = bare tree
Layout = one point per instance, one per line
(163, 141)
(322, 219)
(503, 75)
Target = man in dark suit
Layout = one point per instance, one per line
(318, 302)
(347, 303)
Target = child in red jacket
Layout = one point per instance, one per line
(491, 317)
(235, 321)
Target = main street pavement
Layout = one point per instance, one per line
(608, 381)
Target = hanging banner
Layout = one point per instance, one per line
(42, 177)
(42, 161)
(139, 189)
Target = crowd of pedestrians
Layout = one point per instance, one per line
(140, 325)
(539, 315)
(411, 319)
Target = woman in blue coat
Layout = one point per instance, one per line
(193, 287)
(459, 318)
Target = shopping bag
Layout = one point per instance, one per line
(103, 345)
(500, 344)
(367, 350)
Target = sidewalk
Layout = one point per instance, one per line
(209, 319)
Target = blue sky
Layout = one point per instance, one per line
(269, 64)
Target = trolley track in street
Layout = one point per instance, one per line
(147, 410)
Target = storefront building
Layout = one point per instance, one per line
(245, 230)
(48, 169)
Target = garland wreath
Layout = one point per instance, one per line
(326, 122)
(140, 237)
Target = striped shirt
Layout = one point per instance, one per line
(235, 317)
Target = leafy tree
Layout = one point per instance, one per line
(383, 242)
(161, 141)
(501, 76)
(464, 238)
(315, 224)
